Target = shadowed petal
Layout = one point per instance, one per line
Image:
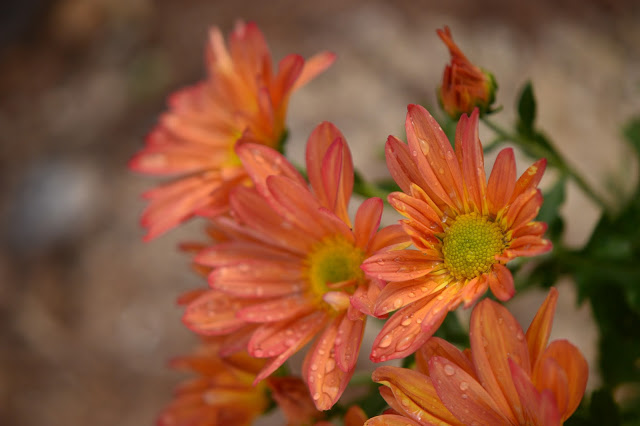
(538, 408)
(390, 237)
(322, 137)
(416, 394)
(276, 310)
(465, 398)
(569, 360)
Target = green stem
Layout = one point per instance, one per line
(368, 189)
(553, 156)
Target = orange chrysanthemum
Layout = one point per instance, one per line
(222, 394)
(508, 378)
(465, 229)
(195, 139)
(464, 85)
(291, 267)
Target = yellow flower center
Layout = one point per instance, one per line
(333, 260)
(470, 245)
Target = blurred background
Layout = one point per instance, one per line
(87, 313)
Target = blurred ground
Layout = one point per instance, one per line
(87, 318)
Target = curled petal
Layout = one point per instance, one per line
(214, 313)
(538, 408)
(494, 332)
(471, 160)
(501, 282)
(348, 341)
(401, 165)
(337, 179)
(529, 179)
(568, 359)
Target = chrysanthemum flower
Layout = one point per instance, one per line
(222, 394)
(464, 85)
(194, 141)
(465, 229)
(508, 378)
(291, 267)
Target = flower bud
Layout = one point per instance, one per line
(464, 85)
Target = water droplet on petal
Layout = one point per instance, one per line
(385, 342)
(316, 396)
(414, 153)
(314, 367)
(397, 303)
(329, 366)
(405, 342)
(258, 352)
(380, 262)
(520, 336)
(464, 386)
(406, 322)
(449, 370)
(464, 396)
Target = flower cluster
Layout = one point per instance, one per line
(287, 265)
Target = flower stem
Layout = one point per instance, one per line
(551, 154)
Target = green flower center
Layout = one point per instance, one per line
(333, 260)
(470, 245)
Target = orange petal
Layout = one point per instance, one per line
(523, 209)
(325, 380)
(415, 393)
(417, 211)
(231, 252)
(502, 180)
(411, 326)
(495, 335)
(438, 163)
(261, 161)
(539, 408)
(318, 144)
(355, 416)
(289, 70)
(392, 237)
(314, 66)
(568, 359)
(401, 165)
(214, 313)
(471, 159)
(501, 282)
(391, 420)
(258, 279)
(439, 347)
(529, 179)
(293, 336)
(463, 396)
(399, 265)
(276, 310)
(348, 341)
(540, 328)
(337, 178)
(367, 221)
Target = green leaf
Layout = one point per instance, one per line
(526, 109)
(631, 132)
(550, 210)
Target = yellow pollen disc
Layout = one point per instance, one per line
(469, 245)
(331, 261)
